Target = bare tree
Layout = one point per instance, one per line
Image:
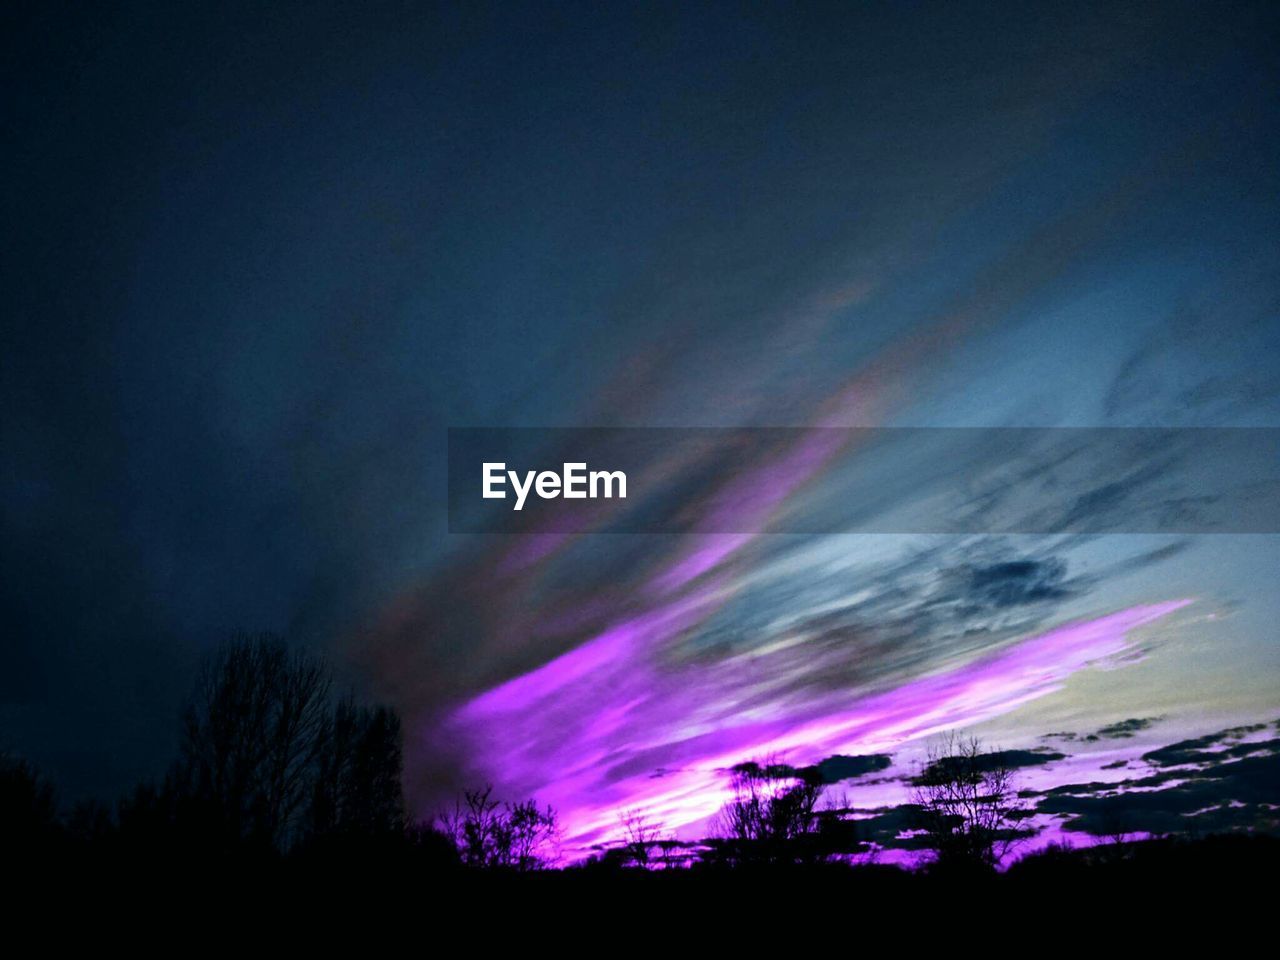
(473, 826)
(641, 837)
(772, 815)
(494, 835)
(531, 836)
(251, 737)
(357, 789)
(967, 803)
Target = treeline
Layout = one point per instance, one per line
(274, 767)
(271, 763)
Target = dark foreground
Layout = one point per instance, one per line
(1114, 877)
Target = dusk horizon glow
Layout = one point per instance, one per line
(924, 356)
(579, 773)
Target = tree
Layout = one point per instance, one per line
(29, 820)
(773, 817)
(490, 834)
(252, 735)
(640, 838)
(357, 790)
(967, 804)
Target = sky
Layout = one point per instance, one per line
(259, 260)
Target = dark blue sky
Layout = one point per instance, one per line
(258, 257)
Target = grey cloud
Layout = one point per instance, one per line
(1206, 784)
(833, 769)
(997, 760)
(1198, 750)
(1123, 729)
(1015, 583)
(837, 768)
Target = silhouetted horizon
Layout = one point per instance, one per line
(924, 356)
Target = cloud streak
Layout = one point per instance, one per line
(611, 726)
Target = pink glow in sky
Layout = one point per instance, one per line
(613, 726)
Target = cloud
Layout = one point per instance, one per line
(1227, 780)
(833, 769)
(1016, 583)
(891, 827)
(1240, 795)
(837, 768)
(995, 760)
(1199, 749)
(1120, 730)
(1187, 372)
(589, 731)
(1123, 729)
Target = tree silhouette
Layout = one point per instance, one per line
(28, 808)
(967, 803)
(773, 817)
(357, 789)
(252, 735)
(641, 839)
(490, 834)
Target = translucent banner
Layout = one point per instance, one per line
(865, 480)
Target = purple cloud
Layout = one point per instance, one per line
(616, 724)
